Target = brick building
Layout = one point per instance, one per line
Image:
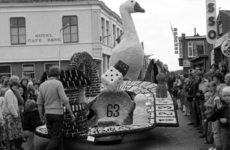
(194, 50)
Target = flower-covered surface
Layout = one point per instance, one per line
(150, 112)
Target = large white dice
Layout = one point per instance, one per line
(112, 78)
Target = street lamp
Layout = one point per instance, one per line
(59, 45)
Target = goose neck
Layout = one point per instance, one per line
(127, 22)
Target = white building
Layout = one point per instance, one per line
(31, 33)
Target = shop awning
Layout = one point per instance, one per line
(221, 40)
(198, 57)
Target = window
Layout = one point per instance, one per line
(70, 33)
(114, 35)
(220, 29)
(196, 48)
(102, 29)
(28, 70)
(48, 65)
(121, 34)
(104, 63)
(190, 49)
(118, 32)
(18, 31)
(108, 58)
(107, 32)
(5, 70)
(200, 49)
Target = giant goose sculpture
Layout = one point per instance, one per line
(129, 50)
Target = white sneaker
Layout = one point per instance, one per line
(183, 108)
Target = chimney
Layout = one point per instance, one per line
(194, 31)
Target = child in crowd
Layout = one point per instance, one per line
(30, 90)
(223, 115)
(30, 122)
(215, 103)
(207, 95)
(209, 105)
(36, 89)
(207, 126)
(176, 94)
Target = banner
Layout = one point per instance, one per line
(176, 40)
(211, 21)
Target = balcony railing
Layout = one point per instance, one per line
(38, 1)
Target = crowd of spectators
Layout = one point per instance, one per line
(204, 97)
(18, 112)
(25, 105)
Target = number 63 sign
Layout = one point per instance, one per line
(113, 110)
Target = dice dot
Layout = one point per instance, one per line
(119, 78)
(106, 75)
(111, 70)
(117, 82)
(116, 74)
(111, 79)
(111, 75)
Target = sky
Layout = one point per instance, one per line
(153, 26)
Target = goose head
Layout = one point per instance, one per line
(132, 6)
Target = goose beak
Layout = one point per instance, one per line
(137, 8)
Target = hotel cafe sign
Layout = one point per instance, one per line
(43, 38)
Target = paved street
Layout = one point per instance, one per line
(182, 138)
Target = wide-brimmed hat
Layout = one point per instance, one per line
(14, 83)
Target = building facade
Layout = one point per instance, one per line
(223, 33)
(36, 35)
(193, 51)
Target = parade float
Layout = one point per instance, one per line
(118, 105)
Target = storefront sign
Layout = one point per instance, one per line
(211, 21)
(225, 48)
(186, 63)
(39, 38)
(212, 56)
(221, 40)
(176, 41)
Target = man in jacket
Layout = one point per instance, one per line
(53, 97)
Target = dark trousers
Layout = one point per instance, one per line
(197, 116)
(54, 126)
(225, 138)
(202, 116)
(191, 110)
